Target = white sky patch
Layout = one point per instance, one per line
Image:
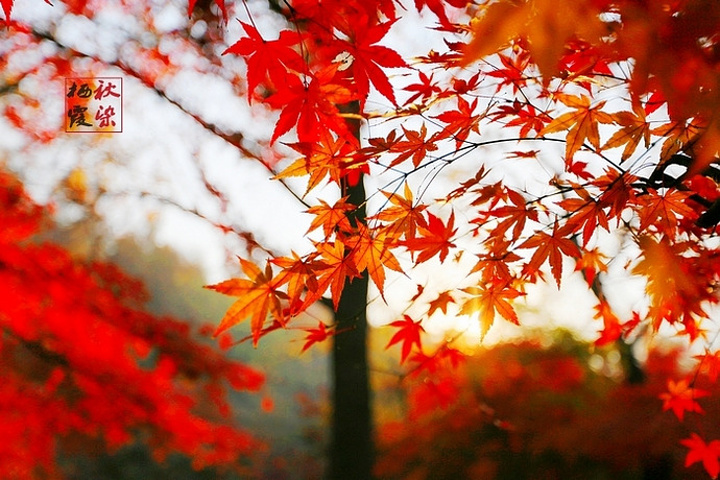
(169, 18)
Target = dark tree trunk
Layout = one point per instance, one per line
(654, 467)
(351, 449)
(351, 441)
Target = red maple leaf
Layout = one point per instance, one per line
(310, 105)
(438, 8)
(550, 248)
(267, 58)
(513, 73)
(459, 122)
(409, 335)
(369, 57)
(515, 214)
(425, 89)
(315, 335)
(7, 6)
(710, 364)
(680, 398)
(415, 145)
(433, 239)
(707, 453)
(524, 116)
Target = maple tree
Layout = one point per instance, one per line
(587, 134)
(85, 364)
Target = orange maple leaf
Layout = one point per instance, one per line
(495, 263)
(677, 135)
(331, 219)
(674, 291)
(258, 295)
(550, 248)
(664, 211)
(617, 191)
(404, 216)
(322, 158)
(680, 398)
(372, 252)
(635, 127)
(546, 25)
(590, 263)
(300, 275)
(487, 300)
(581, 123)
(335, 268)
(441, 302)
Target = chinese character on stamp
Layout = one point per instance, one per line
(93, 105)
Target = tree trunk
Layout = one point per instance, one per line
(654, 467)
(351, 449)
(351, 439)
(351, 442)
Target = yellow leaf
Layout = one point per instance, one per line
(487, 300)
(76, 185)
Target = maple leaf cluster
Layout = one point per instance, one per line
(622, 119)
(82, 359)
